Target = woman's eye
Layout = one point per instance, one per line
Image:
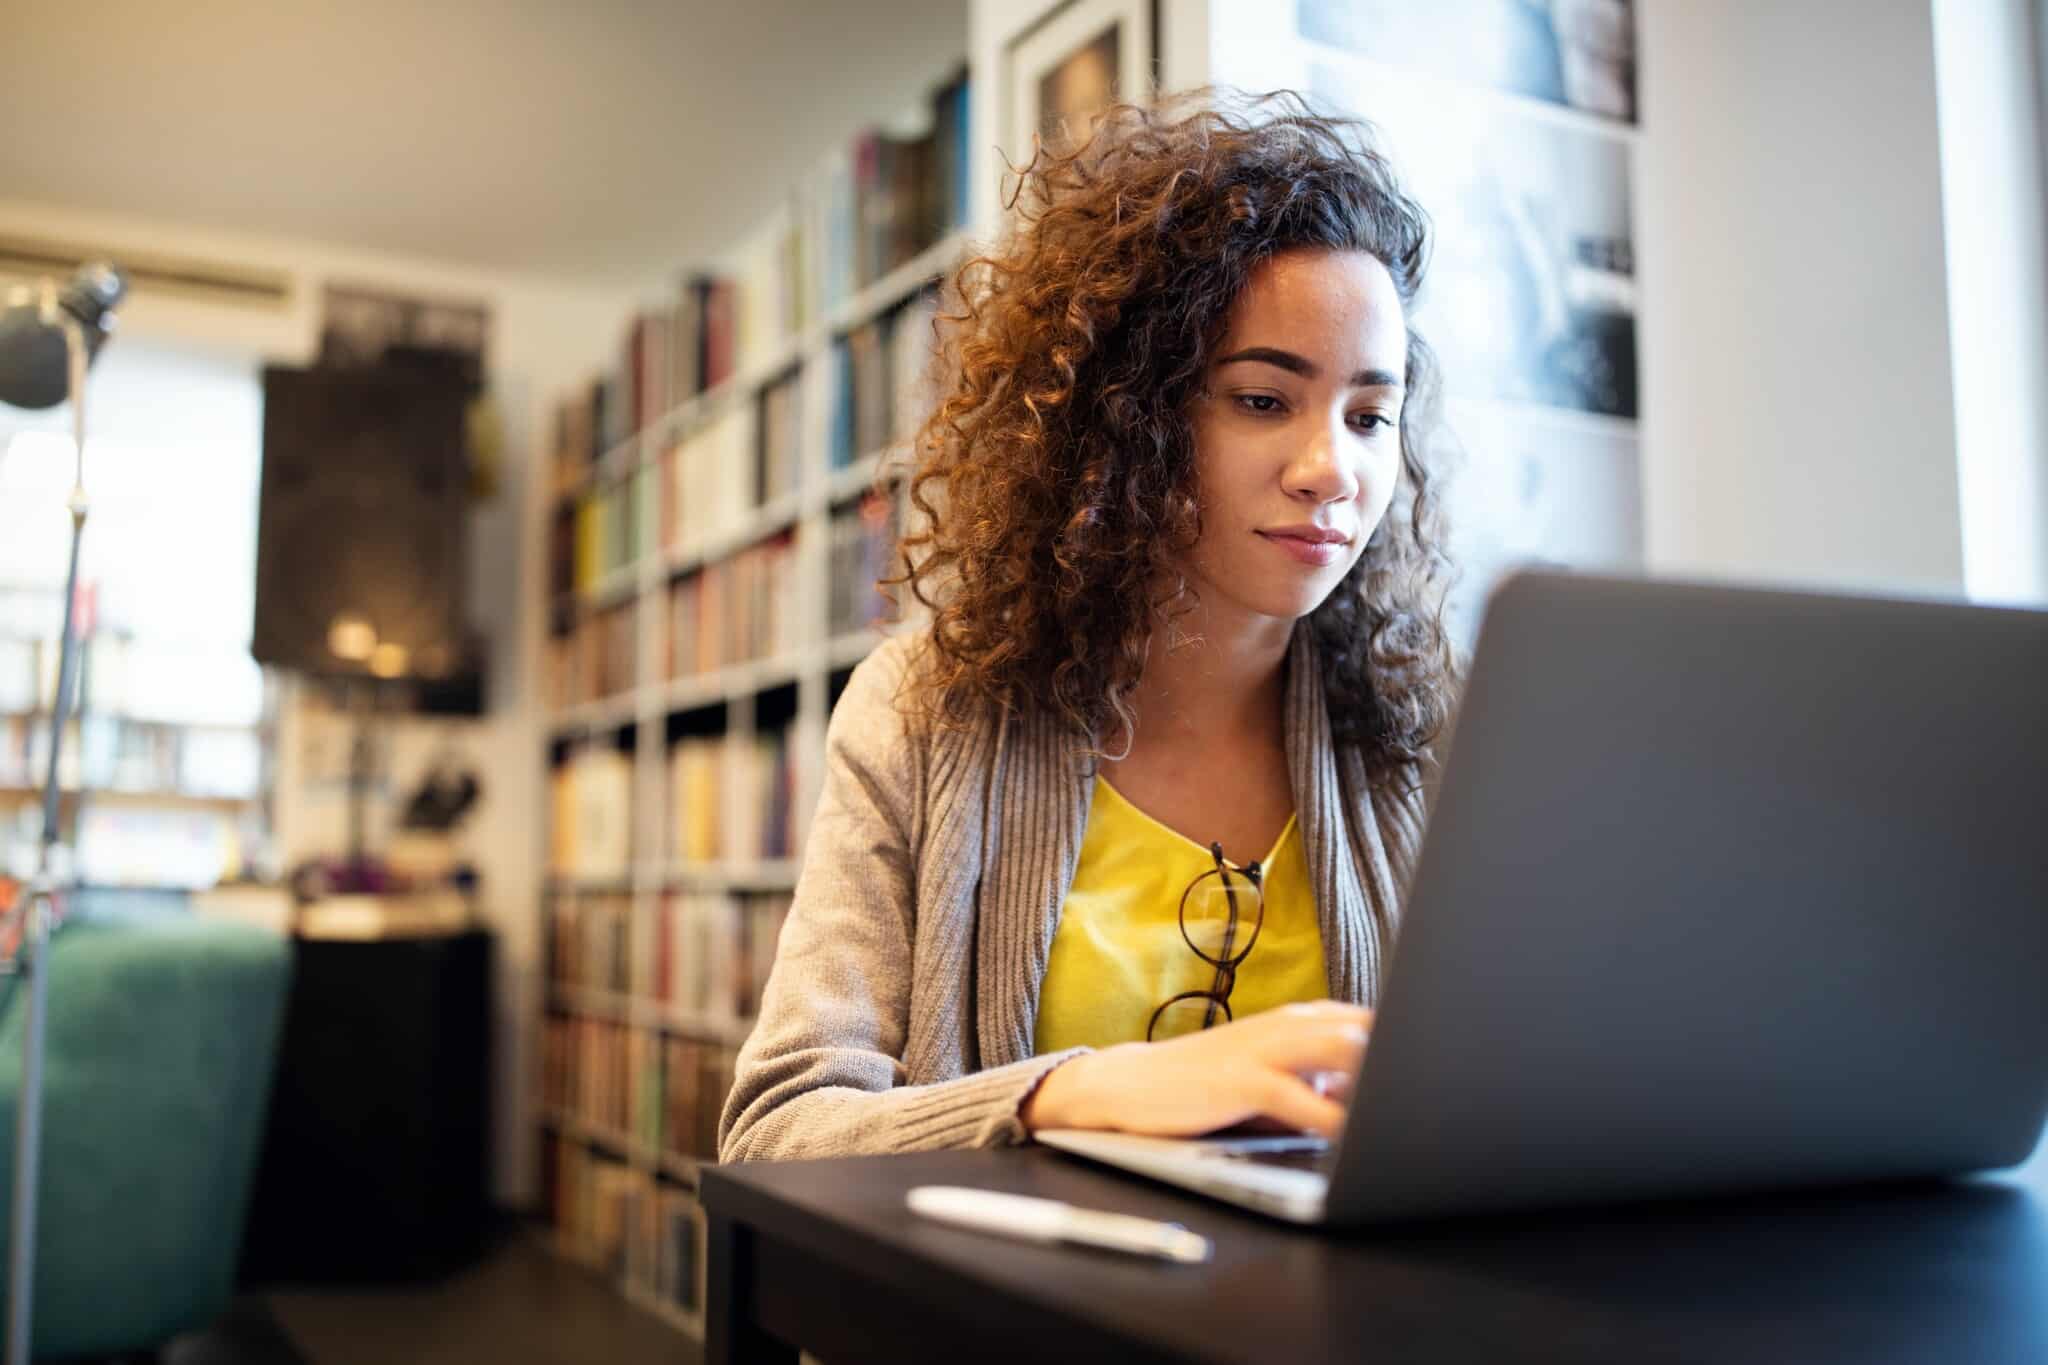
(1369, 422)
(1258, 402)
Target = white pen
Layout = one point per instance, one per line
(1048, 1220)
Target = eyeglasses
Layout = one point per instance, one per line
(1221, 913)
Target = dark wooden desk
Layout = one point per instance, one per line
(823, 1254)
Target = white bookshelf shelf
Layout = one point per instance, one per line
(789, 692)
(898, 286)
(613, 589)
(774, 874)
(779, 359)
(589, 884)
(621, 1007)
(723, 1031)
(682, 1168)
(790, 352)
(760, 523)
(595, 1004)
(846, 650)
(844, 485)
(934, 263)
(597, 1134)
(606, 713)
(728, 684)
(681, 1172)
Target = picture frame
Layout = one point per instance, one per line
(1081, 57)
(1575, 54)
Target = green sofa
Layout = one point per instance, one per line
(161, 1039)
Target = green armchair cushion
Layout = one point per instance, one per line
(161, 1038)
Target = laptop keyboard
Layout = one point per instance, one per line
(1291, 1153)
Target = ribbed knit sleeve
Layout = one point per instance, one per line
(822, 1073)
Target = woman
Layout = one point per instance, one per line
(1156, 767)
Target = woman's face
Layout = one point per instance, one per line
(1298, 432)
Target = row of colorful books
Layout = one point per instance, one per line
(707, 479)
(881, 201)
(685, 1083)
(646, 1086)
(760, 822)
(593, 658)
(625, 1221)
(741, 608)
(882, 381)
(778, 467)
(710, 954)
(599, 532)
(863, 553)
(591, 804)
(706, 954)
(891, 195)
(590, 941)
(587, 1070)
(705, 482)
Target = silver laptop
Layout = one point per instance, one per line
(1724, 889)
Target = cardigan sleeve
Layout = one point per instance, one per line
(822, 1073)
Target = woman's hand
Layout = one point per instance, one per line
(1252, 1069)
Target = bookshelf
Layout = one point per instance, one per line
(155, 793)
(719, 508)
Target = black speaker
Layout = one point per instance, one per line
(362, 539)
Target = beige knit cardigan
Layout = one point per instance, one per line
(900, 1013)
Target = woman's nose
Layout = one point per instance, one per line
(1318, 469)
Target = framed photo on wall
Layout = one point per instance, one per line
(1531, 295)
(1063, 72)
(1579, 54)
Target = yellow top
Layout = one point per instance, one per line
(1118, 951)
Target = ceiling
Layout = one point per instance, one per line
(602, 141)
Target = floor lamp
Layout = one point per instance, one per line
(48, 339)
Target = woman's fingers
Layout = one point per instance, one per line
(1318, 1044)
(1295, 1104)
(1332, 1085)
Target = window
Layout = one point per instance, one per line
(170, 747)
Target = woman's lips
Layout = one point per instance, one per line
(1318, 553)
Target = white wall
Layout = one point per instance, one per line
(545, 335)
(1988, 77)
(1798, 417)
(1846, 325)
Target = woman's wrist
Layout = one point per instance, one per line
(1045, 1106)
(1062, 1096)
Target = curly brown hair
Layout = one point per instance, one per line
(1056, 476)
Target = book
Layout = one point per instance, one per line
(911, 365)
(953, 130)
(587, 946)
(687, 319)
(721, 333)
(867, 375)
(696, 799)
(679, 1268)
(779, 464)
(591, 797)
(862, 552)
